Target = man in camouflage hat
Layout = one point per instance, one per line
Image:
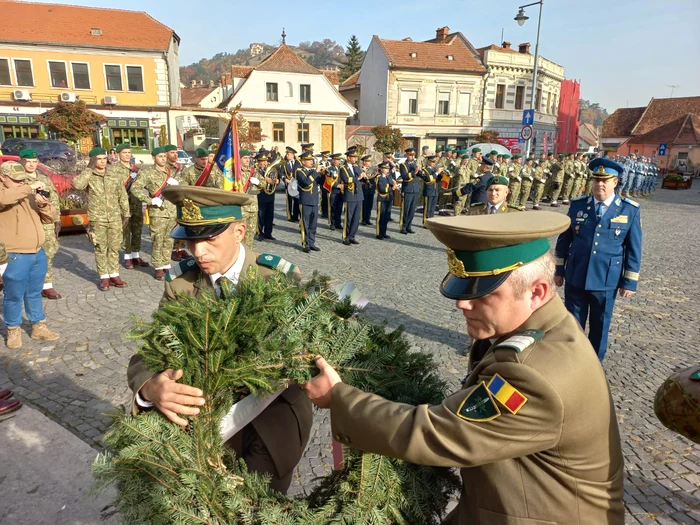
(497, 192)
(677, 403)
(161, 214)
(29, 159)
(108, 214)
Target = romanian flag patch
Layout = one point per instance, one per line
(506, 395)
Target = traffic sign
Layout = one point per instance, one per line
(528, 117)
(526, 133)
(662, 150)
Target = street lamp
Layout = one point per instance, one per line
(521, 18)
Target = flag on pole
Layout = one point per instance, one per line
(228, 159)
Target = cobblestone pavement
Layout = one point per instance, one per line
(83, 376)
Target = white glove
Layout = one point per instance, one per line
(172, 182)
(3, 267)
(510, 168)
(254, 181)
(133, 175)
(519, 179)
(157, 201)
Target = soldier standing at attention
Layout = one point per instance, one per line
(568, 168)
(430, 176)
(423, 155)
(266, 199)
(409, 190)
(496, 195)
(386, 184)
(351, 179)
(474, 163)
(108, 214)
(127, 174)
(478, 186)
(308, 180)
(521, 427)
(250, 185)
(526, 184)
(29, 159)
(557, 169)
(335, 196)
(190, 174)
(514, 174)
(462, 179)
(369, 185)
(287, 169)
(600, 253)
(171, 154)
(538, 184)
(322, 168)
(148, 188)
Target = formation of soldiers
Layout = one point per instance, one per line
(639, 176)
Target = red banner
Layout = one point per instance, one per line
(545, 143)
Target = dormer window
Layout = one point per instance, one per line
(450, 57)
(96, 31)
(413, 54)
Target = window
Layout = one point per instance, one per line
(57, 72)
(305, 93)
(23, 73)
(134, 136)
(549, 102)
(409, 101)
(81, 75)
(290, 89)
(464, 103)
(444, 103)
(134, 78)
(5, 79)
(538, 100)
(271, 91)
(302, 133)
(278, 131)
(17, 131)
(519, 97)
(113, 75)
(500, 95)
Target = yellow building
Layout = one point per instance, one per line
(122, 64)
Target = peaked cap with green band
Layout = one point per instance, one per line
(482, 250)
(203, 213)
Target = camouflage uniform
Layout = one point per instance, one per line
(250, 211)
(525, 185)
(557, 179)
(579, 181)
(589, 180)
(514, 184)
(190, 174)
(108, 205)
(132, 233)
(462, 178)
(677, 403)
(216, 178)
(162, 219)
(50, 239)
(538, 184)
(568, 169)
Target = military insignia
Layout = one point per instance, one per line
(695, 376)
(455, 266)
(585, 216)
(521, 341)
(505, 394)
(630, 201)
(622, 219)
(190, 211)
(579, 214)
(479, 405)
(578, 227)
(580, 219)
(275, 262)
(617, 202)
(183, 267)
(617, 231)
(582, 197)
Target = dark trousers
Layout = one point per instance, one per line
(308, 224)
(429, 202)
(383, 214)
(336, 210)
(352, 220)
(324, 202)
(292, 209)
(367, 205)
(597, 308)
(266, 213)
(408, 210)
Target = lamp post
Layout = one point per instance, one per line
(521, 18)
(302, 117)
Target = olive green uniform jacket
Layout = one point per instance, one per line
(482, 208)
(557, 460)
(285, 425)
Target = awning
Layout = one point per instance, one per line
(450, 135)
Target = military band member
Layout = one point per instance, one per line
(322, 167)
(335, 195)
(515, 176)
(393, 170)
(369, 185)
(266, 198)
(309, 181)
(386, 184)
(409, 190)
(430, 175)
(497, 192)
(351, 179)
(287, 169)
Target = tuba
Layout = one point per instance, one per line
(271, 172)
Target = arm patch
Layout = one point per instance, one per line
(521, 341)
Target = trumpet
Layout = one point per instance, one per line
(271, 172)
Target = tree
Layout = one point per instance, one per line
(387, 138)
(488, 136)
(248, 136)
(71, 120)
(591, 113)
(353, 59)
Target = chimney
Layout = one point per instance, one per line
(211, 83)
(193, 83)
(524, 48)
(441, 33)
(223, 80)
(201, 83)
(505, 45)
(229, 79)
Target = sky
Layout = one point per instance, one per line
(624, 52)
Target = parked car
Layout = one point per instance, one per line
(184, 159)
(54, 153)
(73, 202)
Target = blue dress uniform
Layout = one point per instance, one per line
(308, 180)
(335, 196)
(596, 256)
(322, 168)
(409, 192)
(369, 185)
(477, 188)
(385, 198)
(352, 198)
(430, 188)
(286, 170)
(266, 205)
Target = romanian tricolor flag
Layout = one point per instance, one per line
(505, 394)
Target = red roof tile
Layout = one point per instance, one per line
(683, 130)
(241, 71)
(285, 60)
(72, 25)
(621, 122)
(494, 47)
(664, 110)
(193, 96)
(432, 56)
(352, 80)
(332, 76)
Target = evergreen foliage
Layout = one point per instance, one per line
(353, 59)
(262, 334)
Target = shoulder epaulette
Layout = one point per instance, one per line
(183, 267)
(521, 341)
(581, 198)
(474, 204)
(275, 262)
(513, 207)
(630, 201)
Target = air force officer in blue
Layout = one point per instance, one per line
(600, 253)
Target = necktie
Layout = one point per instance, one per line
(599, 210)
(492, 210)
(224, 284)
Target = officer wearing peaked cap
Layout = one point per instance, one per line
(351, 177)
(211, 221)
(599, 253)
(409, 190)
(309, 181)
(286, 172)
(520, 428)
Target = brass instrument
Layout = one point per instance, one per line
(271, 172)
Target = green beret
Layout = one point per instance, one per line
(123, 146)
(493, 152)
(158, 150)
(211, 151)
(498, 180)
(505, 156)
(94, 152)
(462, 151)
(169, 147)
(464, 156)
(245, 153)
(28, 153)
(201, 152)
(529, 159)
(439, 149)
(515, 157)
(476, 150)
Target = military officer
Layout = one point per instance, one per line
(335, 195)
(521, 427)
(108, 214)
(514, 173)
(369, 185)
(286, 172)
(474, 163)
(210, 221)
(527, 174)
(496, 195)
(430, 175)
(538, 184)
(161, 214)
(409, 189)
(599, 253)
(477, 188)
(677, 403)
(191, 174)
(309, 181)
(351, 177)
(386, 184)
(266, 198)
(29, 159)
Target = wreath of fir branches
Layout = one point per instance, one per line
(260, 335)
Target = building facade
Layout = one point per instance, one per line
(122, 64)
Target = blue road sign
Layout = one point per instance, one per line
(662, 150)
(528, 117)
